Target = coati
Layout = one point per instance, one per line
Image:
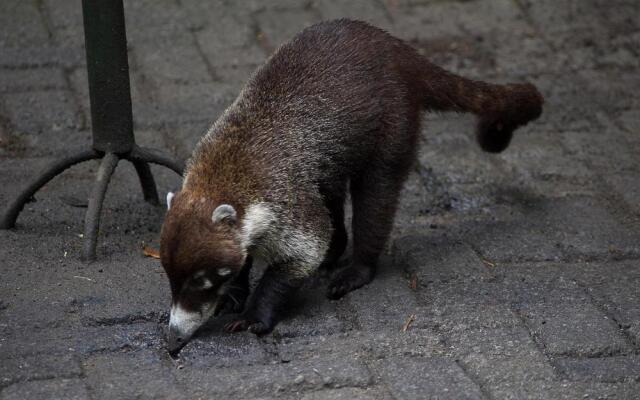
(337, 106)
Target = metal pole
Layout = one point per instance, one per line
(108, 73)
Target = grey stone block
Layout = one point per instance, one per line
(362, 10)
(37, 112)
(21, 24)
(564, 390)
(394, 303)
(439, 260)
(50, 389)
(331, 371)
(605, 369)
(142, 374)
(497, 357)
(427, 378)
(174, 59)
(278, 26)
(553, 229)
(343, 394)
(65, 21)
(19, 80)
(38, 367)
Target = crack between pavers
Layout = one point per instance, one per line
(6, 384)
(540, 346)
(624, 332)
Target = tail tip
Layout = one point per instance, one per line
(494, 136)
(495, 132)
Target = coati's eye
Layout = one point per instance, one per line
(200, 282)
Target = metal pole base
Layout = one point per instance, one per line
(140, 157)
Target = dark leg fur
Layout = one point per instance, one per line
(237, 291)
(375, 195)
(339, 237)
(267, 304)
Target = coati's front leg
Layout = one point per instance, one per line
(268, 302)
(235, 293)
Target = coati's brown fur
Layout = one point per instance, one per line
(340, 103)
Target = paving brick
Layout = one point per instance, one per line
(21, 24)
(456, 307)
(343, 394)
(82, 341)
(438, 260)
(148, 19)
(212, 348)
(38, 367)
(363, 10)
(494, 357)
(312, 314)
(65, 20)
(394, 303)
(606, 369)
(377, 345)
(175, 59)
(619, 297)
(278, 26)
(553, 229)
(574, 329)
(561, 314)
(184, 103)
(143, 375)
(561, 390)
(413, 378)
(332, 371)
(42, 111)
(18, 80)
(51, 389)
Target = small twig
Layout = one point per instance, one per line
(150, 252)
(408, 322)
(83, 277)
(488, 263)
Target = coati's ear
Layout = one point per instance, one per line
(169, 198)
(224, 212)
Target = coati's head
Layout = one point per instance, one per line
(200, 250)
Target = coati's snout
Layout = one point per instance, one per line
(201, 251)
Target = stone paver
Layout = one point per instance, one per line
(519, 272)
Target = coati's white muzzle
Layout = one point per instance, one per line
(184, 323)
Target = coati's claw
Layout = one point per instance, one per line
(236, 326)
(349, 279)
(253, 326)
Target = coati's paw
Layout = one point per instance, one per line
(246, 323)
(348, 279)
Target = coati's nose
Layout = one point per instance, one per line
(175, 342)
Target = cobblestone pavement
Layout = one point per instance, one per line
(522, 269)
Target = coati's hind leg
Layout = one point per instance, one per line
(339, 237)
(374, 196)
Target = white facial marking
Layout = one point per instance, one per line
(184, 321)
(224, 211)
(224, 271)
(169, 198)
(206, 284)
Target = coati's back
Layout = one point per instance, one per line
(342, 92)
